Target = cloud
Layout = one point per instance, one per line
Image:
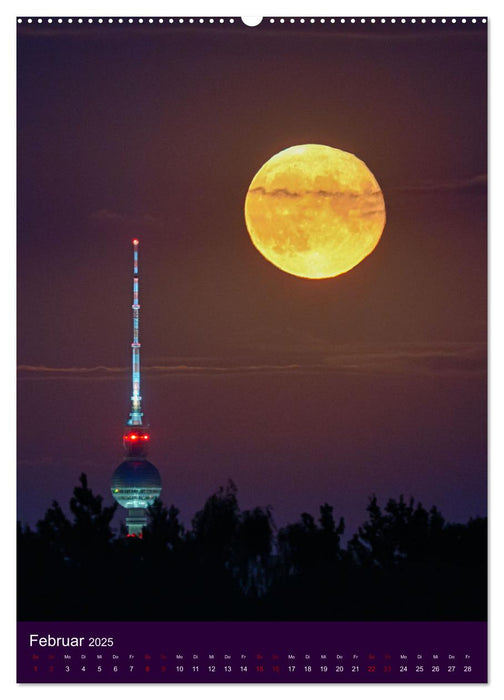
(476, 183)
(106, 215)
(433, 359)
(284, 192)
(42, 371)
(130, 221)
(464, 358)
(278, 192)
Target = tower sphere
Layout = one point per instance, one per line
(136, 483)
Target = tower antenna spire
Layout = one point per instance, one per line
(136, 398)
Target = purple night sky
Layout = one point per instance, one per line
(300, 391)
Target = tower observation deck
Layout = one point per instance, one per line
(136, 483)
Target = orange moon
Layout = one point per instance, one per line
(314, 211)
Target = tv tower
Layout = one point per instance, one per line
(136, 482)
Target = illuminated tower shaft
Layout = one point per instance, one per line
(136, 399)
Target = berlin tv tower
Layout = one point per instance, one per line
(136, 482)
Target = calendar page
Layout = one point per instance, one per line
(252, 393)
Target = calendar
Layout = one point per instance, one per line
(252, 391)
(256, 652)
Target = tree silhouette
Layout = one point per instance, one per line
(404, 563)
(419, 565)
(54, 529)
(91, 533)
(214, 527)
(403, 533)
(303, 546)
(74, 555)
(164, 530)
(252, 549)
(208, 557)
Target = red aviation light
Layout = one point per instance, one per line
(135, 241)
(135, 436)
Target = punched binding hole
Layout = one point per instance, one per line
(251, 21)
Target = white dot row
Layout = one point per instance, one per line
(120, 20)
(231, 20)
(383, 20)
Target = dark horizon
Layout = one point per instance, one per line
(300, 391)
(234, 565)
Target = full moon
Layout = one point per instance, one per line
(315, 211)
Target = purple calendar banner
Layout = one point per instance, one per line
(252, 652)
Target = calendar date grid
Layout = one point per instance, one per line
(248, 664)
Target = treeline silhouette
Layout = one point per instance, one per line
(404, 563)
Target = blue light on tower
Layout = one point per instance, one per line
(136, 483)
